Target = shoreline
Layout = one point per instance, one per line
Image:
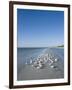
(58, 47)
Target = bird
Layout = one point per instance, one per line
(39, 66)
(30, 61)
(56, 60)
(52, 66)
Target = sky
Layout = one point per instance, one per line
(39, 28)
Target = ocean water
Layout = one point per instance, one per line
(59, 53)
(25, 54)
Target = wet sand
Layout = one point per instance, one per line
(53, 71)
(47, 72)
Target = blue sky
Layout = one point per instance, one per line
(39, 28)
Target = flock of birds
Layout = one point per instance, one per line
(41, 60)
